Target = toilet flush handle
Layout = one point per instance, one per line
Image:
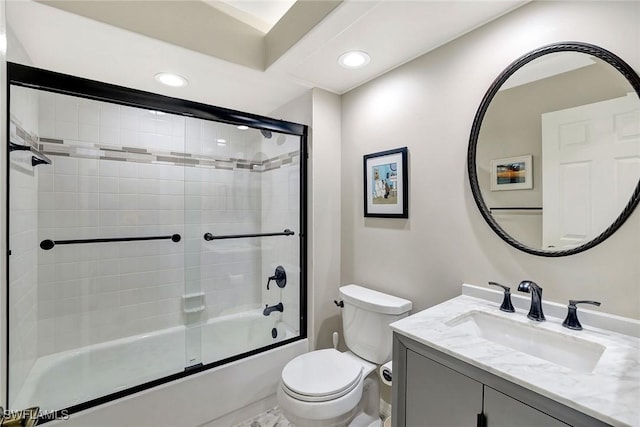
(339, 304)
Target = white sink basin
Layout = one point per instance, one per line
(562, 349)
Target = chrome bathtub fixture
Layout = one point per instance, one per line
(506, 305)
(535, 312)
(571, 321)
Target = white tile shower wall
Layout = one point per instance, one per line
(23, 267)
(230, 268)
(83, 120)
(96, 292)
(24, 109)
(23, 292)
(281, 210)
(221, 201)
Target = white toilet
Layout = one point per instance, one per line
(326, 388)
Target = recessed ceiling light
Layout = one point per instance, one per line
(243, 127)
(354, 59)
(171, 79)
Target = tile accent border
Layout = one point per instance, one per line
(21, 136)
(72, 148)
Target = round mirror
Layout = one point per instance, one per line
(554, 153)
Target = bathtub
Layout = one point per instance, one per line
(70, 378)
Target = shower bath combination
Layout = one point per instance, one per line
(141, 229)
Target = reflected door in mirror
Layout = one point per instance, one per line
(590, 163)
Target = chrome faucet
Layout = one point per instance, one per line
(535, 312)
(278, 307)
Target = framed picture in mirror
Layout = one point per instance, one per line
(385, 184)
(512, 173)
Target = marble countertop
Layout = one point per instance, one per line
(610, 392)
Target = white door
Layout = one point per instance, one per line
(590, 166)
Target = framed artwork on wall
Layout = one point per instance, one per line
(512, 173)
(386, 192)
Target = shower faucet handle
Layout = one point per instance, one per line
(280, 277)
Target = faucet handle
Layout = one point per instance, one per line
(574, 302)
(506, 302)
(571, 321)
(279, 276)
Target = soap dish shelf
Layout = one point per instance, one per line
(193, 303)
(194, 309)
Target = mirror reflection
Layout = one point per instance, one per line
(558, 152)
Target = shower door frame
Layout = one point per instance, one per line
(50, 81)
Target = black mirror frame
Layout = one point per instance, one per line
(613, 60)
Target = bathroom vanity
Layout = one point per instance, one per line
(464, 362)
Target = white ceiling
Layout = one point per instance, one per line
(391, 31)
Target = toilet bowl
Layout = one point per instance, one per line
(323, 388)
(327, 388)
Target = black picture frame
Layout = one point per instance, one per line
(386, 184)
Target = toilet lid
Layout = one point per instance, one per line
(321, 375)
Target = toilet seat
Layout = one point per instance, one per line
(321, 376)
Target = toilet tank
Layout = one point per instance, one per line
(366, 316)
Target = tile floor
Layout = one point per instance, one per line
(270, 418)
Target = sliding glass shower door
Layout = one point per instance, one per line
(96, 234)
(247, 222)
(144, 245)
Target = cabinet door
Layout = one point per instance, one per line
(437, 396)
(501, 410)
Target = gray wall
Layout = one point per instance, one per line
(321, 111)
(428, 105)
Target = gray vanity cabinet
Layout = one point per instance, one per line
(439, 396)
(501, 410)
(432, 389)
